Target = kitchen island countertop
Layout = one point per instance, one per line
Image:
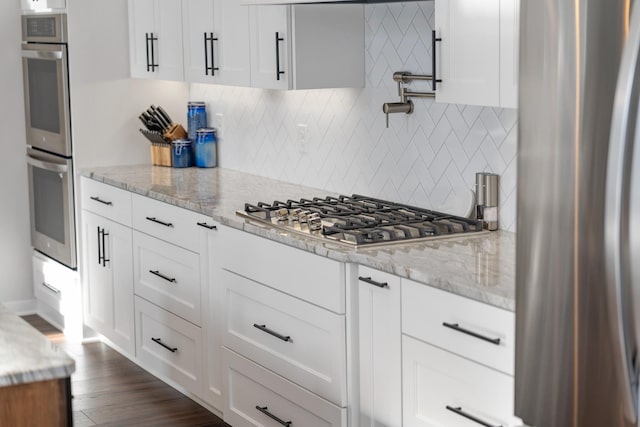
(480, 267)
(27, 356)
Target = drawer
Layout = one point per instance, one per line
(55, 285)
(434, 380)
(167, 222)
(168, 276)
(169, 346)
(460, 325)
(302, 342)
(106, 200)
(253, 392)
(310, 277)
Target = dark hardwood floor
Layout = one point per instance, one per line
(110, 390)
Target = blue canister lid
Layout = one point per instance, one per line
(206, 130)
(181, 141)
(196, 104)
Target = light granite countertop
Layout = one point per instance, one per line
(26, 355)
(480, 267)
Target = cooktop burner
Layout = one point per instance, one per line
(358, 220)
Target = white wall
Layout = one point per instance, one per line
(15, 248)
(422, 159)
(105, 102)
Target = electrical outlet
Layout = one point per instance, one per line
(303, 138)
(219, 123)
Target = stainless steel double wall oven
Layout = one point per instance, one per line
(48, 127)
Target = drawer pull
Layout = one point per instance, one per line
(205, 225)
(456, 327)
(157, 221)
(159, 341)
(264, 410)
(264, 328)
(162, 276)
(462, 413)
(99, 200)
(51, 288)
(373, 282)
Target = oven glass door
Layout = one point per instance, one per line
(46, 94)
(51, 203)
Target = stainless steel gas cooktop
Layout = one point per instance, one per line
(358, 221)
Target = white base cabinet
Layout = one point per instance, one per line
(302, 342)
(108, 294)
(169, 346)
(214, 314)
(58, 294)
(150, 288)
(168, 276)
(108, 263)
(478, 53)
(444, 390)
(457, 360)
(477, 331)
(257, 397)
(288, 328)
(380, 351)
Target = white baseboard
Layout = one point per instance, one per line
(22, 308)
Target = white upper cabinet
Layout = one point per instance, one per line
(290, 1)
(216, 42)
(155, 39)
(307, 46)
(43, 5)
(270, 41)
(478, 52)
(509, 48)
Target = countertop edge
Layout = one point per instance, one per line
(27, 356)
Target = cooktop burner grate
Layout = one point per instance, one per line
(358, 220)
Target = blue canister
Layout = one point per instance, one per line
(206, 148)
(196, 118)
(181, 153)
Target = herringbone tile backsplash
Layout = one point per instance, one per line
(423, 159)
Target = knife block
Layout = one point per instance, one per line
(161, 153)
(176, 131)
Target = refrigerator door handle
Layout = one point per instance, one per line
(618, 182)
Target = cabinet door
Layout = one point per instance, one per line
(141, 25)
(440, 389)
(380, 349)
(197, 23)
(270, 46)
(168, 15)
(155, 39)
(227, 22)
(509, 48)
(233, 53)
(468, 57)
(108, 291)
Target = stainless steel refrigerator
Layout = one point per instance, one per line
(578, 229)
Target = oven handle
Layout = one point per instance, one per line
(53, 167)
(41, 55)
